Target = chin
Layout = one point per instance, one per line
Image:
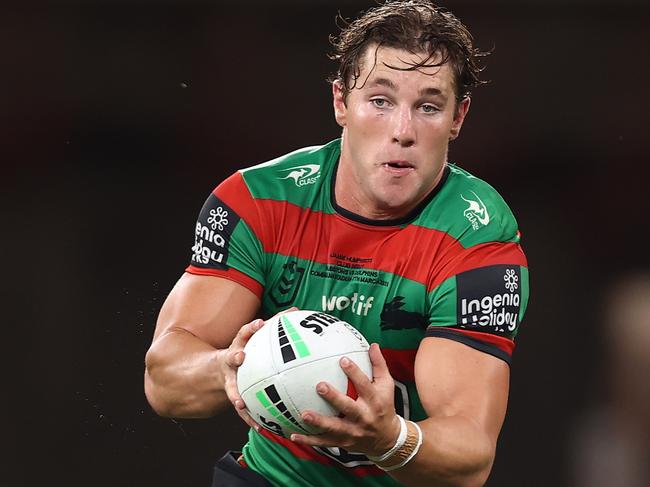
(399, 196)
(396, 203)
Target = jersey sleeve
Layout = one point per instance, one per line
(482, 298)
(227, 238)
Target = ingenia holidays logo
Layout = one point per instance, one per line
(212, 234)
(489, 298)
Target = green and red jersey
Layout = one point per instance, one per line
(452, 268)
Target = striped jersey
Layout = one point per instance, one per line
(451, 268)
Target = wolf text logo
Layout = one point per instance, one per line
(303, 175)
(477, 212)
(358, 304)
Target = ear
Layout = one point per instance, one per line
(338, 99)
(459, 118)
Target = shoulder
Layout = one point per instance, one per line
(287, 176)
(470, 210)
(312, 155)
(294, 177)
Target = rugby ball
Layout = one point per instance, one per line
(287, 357)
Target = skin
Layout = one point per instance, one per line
(197, 346)
(396, 130)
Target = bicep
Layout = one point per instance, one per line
(211, 308)
(453, 379)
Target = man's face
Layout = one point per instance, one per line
(396, 129)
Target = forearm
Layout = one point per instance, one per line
(454, 452)
(183, 376)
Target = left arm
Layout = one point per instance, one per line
(464, 393)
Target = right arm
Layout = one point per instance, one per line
(197, 346)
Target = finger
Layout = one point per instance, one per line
(332, 430)
(380, 370)
(293, 308)
(313, 440)
(232, 391)
(361, 381)
(245, 332)
(234, 358)
(347, 406)
(243, 413)
(305, 440)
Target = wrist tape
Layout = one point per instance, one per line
(401, 454)
(401, 438)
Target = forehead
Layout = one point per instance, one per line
(393, 64)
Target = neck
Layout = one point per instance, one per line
(349, 196)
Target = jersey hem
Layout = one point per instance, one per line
(489, 348)
(232, 275)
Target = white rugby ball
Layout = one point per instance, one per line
(287, 357)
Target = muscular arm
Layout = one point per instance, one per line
(184, 366)
(464, 393)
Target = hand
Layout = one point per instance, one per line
(369, 424)
(234, 357)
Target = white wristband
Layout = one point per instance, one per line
(401, 438)
(413, 453)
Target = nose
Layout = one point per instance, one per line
(403, 127)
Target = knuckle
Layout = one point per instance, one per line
(356, 435)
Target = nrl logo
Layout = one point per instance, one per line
(477, 212)
(303, 175)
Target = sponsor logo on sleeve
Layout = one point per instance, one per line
(488, 299)
(214, 227)
(303, 175)
(476, 212)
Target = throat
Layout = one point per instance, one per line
(350, 197)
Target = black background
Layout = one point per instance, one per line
(118, 118)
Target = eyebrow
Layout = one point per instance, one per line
(431, 91)
(383, 82)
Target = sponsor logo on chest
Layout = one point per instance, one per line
(359, 304)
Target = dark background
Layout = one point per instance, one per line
(118, 118)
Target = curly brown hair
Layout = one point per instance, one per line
(416, 26)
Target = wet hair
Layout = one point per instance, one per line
(417, 26)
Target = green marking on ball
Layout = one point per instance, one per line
(296, 339)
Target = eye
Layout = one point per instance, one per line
(379, 102)
(429, 108)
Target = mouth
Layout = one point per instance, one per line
(398, 167)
